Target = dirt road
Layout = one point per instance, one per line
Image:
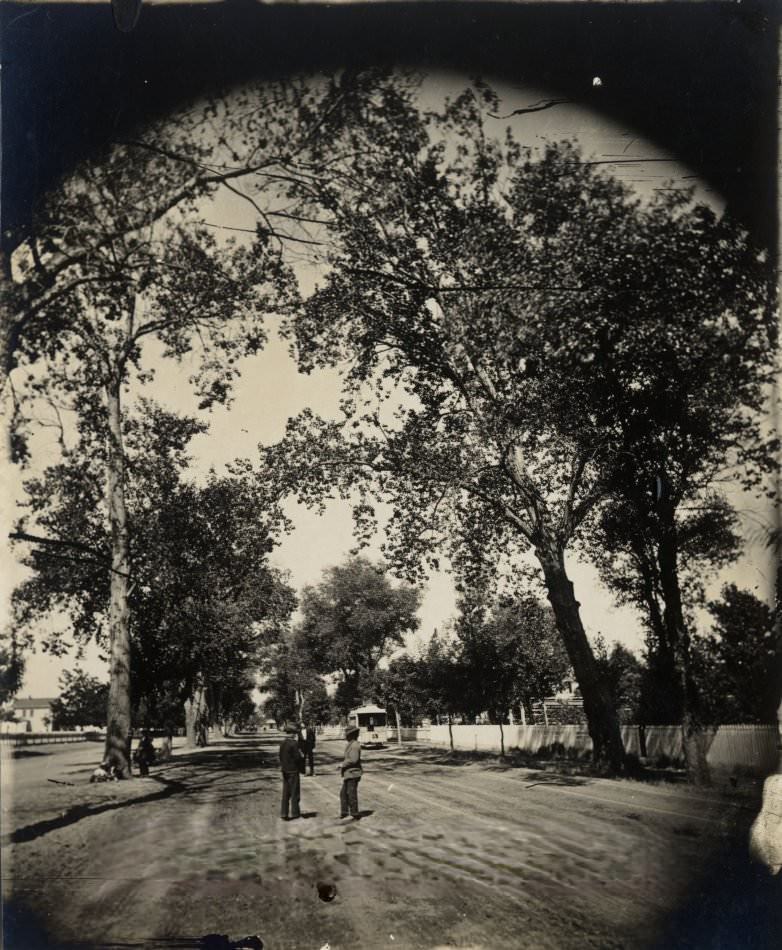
(448, 854)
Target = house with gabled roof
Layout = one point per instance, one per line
(36, 713)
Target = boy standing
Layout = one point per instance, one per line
(351, 775)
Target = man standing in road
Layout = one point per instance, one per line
(291, 762)
(351, 775)
(309, 747)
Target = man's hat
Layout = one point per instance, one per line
(352, 731)
(292, 728)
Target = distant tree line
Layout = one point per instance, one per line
(498, 659)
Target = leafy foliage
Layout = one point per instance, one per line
(354, 617)
(204, 599)
(120, 254)
(511, 654)
(318, 707)
(624, 673)
(526, 340)
(291, 679)
(738, 664)
(441, 680)
(82, 701)
(396, 687)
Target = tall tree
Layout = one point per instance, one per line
(291, 677)
(624, 673)
(209, 604)
(204, 600)
(685, 350)
(353, 618)
(317, 705)
(737, 665)
(82, 701)
(170, 281)
(513, 653)
(522, 311)
(623, 545)
(440, 293)
(398, 687)
(443, 681)
(120, 254)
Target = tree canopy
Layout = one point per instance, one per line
(204, 602)
(522, 335)
(737, 664)
(82, 701)
(354, 617)
(512, 655)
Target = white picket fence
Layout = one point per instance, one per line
(409, 735)
(754, 748)
(42, 738)
(331, 732)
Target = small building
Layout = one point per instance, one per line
(36, 713)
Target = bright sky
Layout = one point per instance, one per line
(271, 390)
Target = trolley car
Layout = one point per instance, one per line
(372, 722)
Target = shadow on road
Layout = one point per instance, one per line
(553, 778)
(78, 812)
(233, 769)
(24, 930)
(167, 943)
(738, 903)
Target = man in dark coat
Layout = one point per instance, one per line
(309, 747)
(291, 761)
(145, 754)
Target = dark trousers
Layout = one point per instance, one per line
(348, 796)
(309, 760)
(290, 795)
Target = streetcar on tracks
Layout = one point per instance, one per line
(372, 724)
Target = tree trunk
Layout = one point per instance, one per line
(665, 699)
(195, 730)
(502, 740)
(118, 719)
(7, 407)
(601, 716)
(398, 726)
(212, 714)
(694, 739)
(450, 731)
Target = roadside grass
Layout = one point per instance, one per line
(733, 783)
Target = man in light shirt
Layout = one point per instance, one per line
(351, 775)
